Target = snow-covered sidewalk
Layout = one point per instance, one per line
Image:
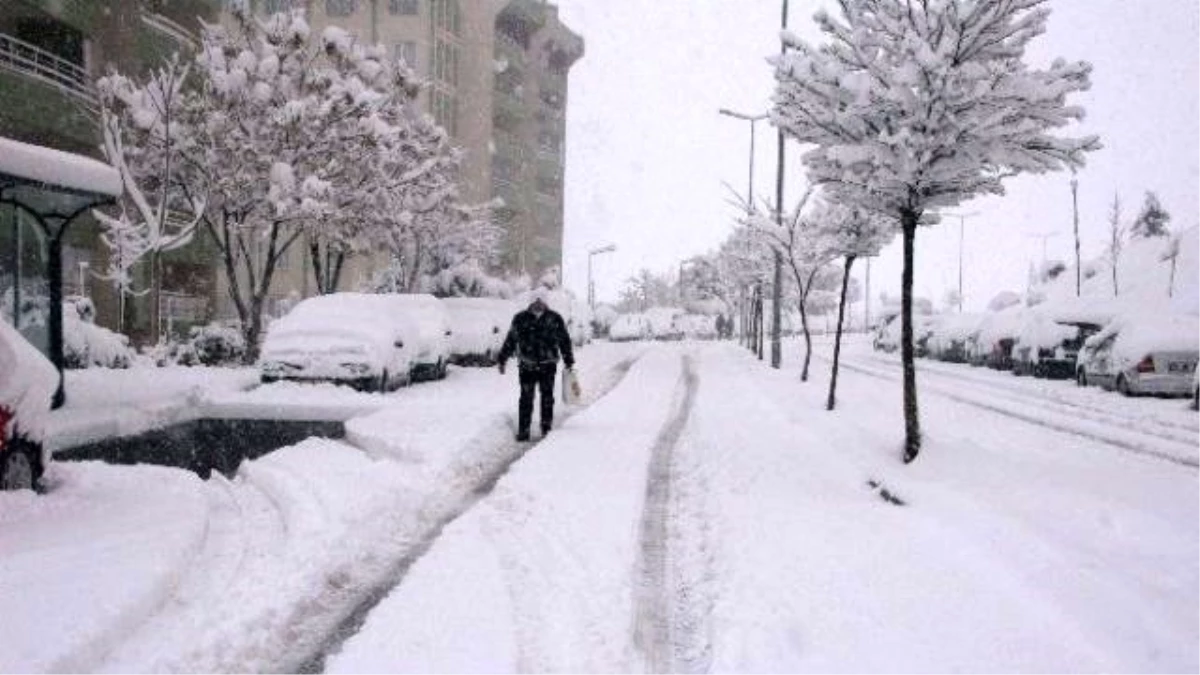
(1018, 547)
(142, 568)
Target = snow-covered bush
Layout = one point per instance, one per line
(85, 344)
(213, 345)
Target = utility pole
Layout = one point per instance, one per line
(961, 217)
(1075, 216)
(752, 119)
(591, 286)
(777, 286)
(1044, 236)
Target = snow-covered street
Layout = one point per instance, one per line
(706, 514)
(1019, 548)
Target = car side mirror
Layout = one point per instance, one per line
(448, 333)
(398, 344)
(495, 330)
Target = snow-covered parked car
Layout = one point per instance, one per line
(664, 323)
(629, 327)
(374, 342)
(697, 326)
(478, 327)
(27, 384)
(1051, 336)
(1143, 354)
(948, 338)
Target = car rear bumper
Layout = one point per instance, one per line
(1161, 383)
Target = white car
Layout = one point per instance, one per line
(1143, 354)
(629, 327)
(478, 327)
(27, 385)
(375, 342)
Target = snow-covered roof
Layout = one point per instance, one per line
(56, 168)
(1140, 333)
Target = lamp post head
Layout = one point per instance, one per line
(603, 249)
(742, 116)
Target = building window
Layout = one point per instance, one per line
(340, 7)
(407, 51)
(404, 7)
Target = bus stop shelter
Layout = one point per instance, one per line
(52, 188)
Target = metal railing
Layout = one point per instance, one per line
(26, 59)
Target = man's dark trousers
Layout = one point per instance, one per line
(535, 376)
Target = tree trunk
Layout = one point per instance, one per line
(1171, 284)
(318, 265)
(155, 334)
(912, 422)
(837, 340)
(807, 340)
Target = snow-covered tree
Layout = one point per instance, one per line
(851, 232)
(1152, 220)
(920, 105)
(284, 136)
(1116, 241)
(803, 243)
(140, 128)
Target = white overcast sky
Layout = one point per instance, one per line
(647, 153)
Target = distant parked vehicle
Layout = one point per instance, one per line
(949, 337)
(1143, 354)
(27, 384)
(664, 323)
(628, 327)
(478, 327)
(697, 326)
(887, 335)
(375, 342)
(1050, 348)
(994, 338)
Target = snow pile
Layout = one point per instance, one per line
(105, 403)
(86, 345)
(94, 557)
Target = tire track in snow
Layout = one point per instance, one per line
(665, 632)
(482, 481)
(1067, 427)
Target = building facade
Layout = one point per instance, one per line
(51, 52)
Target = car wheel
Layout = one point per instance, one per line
(20, 465)
(1123, 386)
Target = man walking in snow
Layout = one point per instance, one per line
(538, 336)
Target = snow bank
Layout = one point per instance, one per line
(93, 559)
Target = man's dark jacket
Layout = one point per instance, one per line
(538, 340)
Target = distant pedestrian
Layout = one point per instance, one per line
(538, 337)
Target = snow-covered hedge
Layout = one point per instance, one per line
(213, 345)
(87, 345)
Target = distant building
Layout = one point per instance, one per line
(51, 52)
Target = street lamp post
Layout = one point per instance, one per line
(591, 286)
(1075, 217)
(752, 119)
(961, 217)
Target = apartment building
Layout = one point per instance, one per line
(51, 52)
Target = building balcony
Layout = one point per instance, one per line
(36, 63)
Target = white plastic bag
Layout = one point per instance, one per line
(572, 392)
